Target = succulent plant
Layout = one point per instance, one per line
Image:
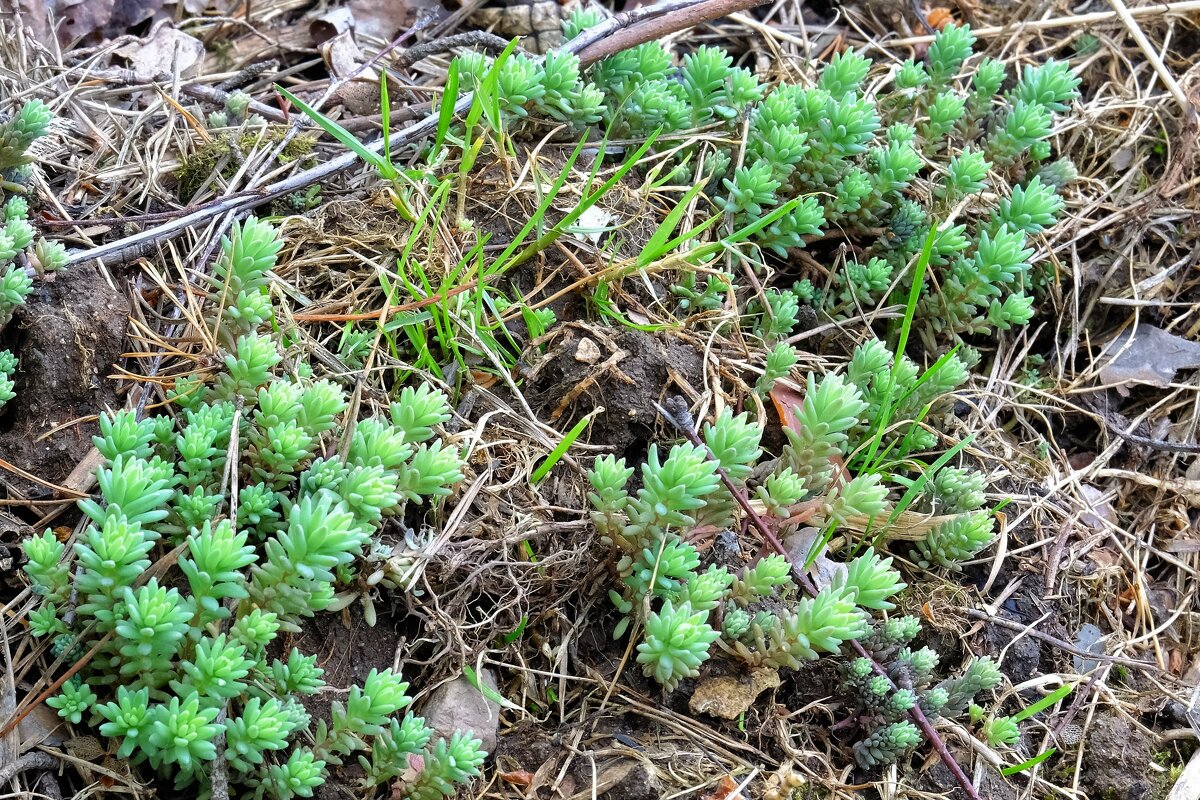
(183, 659)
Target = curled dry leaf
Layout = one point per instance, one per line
(164, 50)
(938, 18)
(726, 790)
(519, 777)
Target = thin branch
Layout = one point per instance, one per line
(647, 23)
(684, 424)
(481, 39)
(34, 760)
(1065, 646)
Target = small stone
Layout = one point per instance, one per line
(728, 698)
(587, 352)
(459, 706)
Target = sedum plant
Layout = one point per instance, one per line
(883, 702)
(956, 493)
(685, 612)
(183, 658)
(23, 255)
(878, 162)
(8, 366)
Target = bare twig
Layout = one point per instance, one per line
(646, 23)
(481, 39)
(1066, 647)
(1075, 21)
(34, 760)
(684, 424)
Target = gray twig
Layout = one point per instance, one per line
(34, 760)
(481, 39)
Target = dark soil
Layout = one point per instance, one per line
(68, 336)
(937, 779)
(1116, 761)
(626, 372)
(609, 767)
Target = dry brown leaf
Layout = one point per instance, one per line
(73, 20)
(726, 790)
(520, 777)
(727, 697)
(1147, 355)
(786, 399)
(164, 50)
(383, 20)
(938, 18)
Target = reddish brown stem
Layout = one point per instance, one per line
(639, 27)
(54, 686)
(918, 717)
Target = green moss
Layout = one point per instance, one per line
(223, 155)
(196, 168)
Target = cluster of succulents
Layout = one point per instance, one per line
(956, 492)
(235, 112)
(683, 492)
(879, 163)
(684, 610)
(21, 257)
(265, 519)
(884, 700)
(688, 612)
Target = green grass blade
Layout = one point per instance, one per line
(385, 109)
(741, 234)
(501, 262)
(926, 476)
(560, 449)
(888, 404)
(660, 242)
(914, 291)
(487, 691)
(1044, 703)
(928, 374)
(487, 93)
(515, 634)
(342, 135)
(446, 109)
(691, 233)
(1029, 763)
(589, 200)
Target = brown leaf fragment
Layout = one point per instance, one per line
(1147, 355)
(726, 790)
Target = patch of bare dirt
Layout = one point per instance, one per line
(1116, 761)
(68, 336)
(625, 372)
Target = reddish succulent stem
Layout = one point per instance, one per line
(918, 717)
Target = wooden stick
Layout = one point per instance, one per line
(1073, 21)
